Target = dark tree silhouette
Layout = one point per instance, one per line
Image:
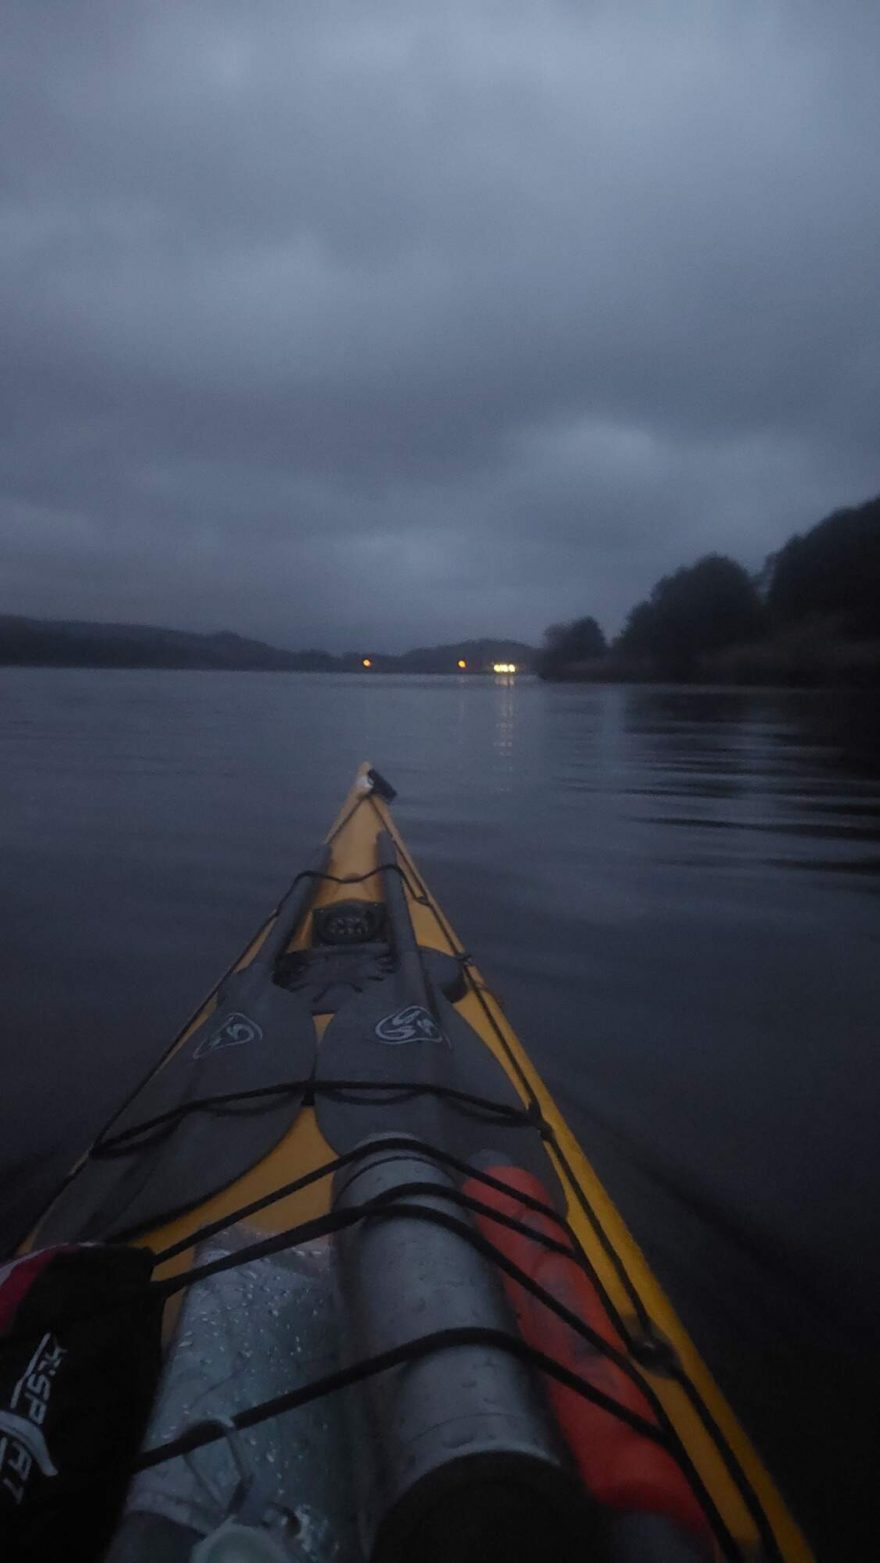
(701, 608)
(831, 571)
(579, 641)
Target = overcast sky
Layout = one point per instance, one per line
(381, 322)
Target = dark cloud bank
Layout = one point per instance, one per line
(393, 324)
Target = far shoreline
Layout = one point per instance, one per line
(706, 685)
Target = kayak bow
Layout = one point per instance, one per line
(350, 1175)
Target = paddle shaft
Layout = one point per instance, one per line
(291, 909)
(409, 959)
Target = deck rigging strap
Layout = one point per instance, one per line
(201, 1433)
(139, 1134)
(385, 1206)
(403, 1142)
(395, 1205)
(361, 879)
(661, 1431)
(207, 1432)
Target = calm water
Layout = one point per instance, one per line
(676, 892)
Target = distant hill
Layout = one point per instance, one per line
(79, 643)
(478, 654)
(76, 643)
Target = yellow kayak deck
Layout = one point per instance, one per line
(745, 1498)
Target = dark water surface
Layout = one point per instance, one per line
(676, 892)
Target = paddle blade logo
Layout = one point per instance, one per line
(410, 1024)
(235, 1031)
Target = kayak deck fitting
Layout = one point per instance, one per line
(402, 1316)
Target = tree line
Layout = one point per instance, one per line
(811, 615)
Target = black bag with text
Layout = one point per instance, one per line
(80, 1335)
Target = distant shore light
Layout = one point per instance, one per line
(462, 663)
(504, 667)
(366, 662)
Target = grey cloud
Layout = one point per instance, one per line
(490, 311)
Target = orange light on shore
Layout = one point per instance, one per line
(462, 664)
(366, 662)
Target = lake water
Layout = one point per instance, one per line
(674, 890)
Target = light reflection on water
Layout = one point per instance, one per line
(505, 730)
(675, 891)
